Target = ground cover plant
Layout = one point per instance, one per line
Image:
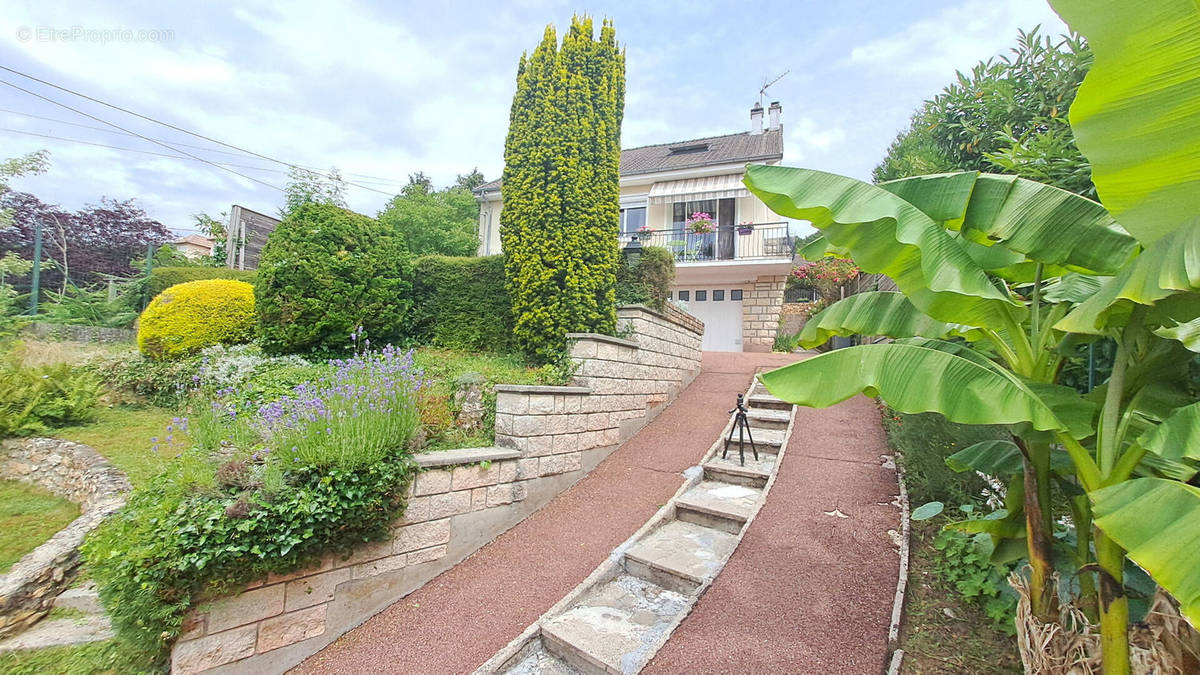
(29, 515)
(316, 471)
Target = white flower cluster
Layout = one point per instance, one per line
(224, 367)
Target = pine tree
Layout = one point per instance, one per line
(561, 192)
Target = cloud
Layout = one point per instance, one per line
(957, 37)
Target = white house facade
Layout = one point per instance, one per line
(732, 278)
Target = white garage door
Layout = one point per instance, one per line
(721, 311)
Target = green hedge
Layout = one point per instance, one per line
(461, 303)
(162, 278)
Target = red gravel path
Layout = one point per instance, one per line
(465, 615)
(805, 592)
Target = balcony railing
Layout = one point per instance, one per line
(736, 242)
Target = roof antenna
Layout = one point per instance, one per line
(762, 92)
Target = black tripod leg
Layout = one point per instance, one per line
(741, 423)
(727, 442)
(751, 436)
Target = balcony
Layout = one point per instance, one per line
(760, 241)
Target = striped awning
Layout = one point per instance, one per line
(694, 189)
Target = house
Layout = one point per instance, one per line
(731, 278)
(194, 246)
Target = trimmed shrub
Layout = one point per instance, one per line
(162, 278)
(188, 317)
(649, 281)
(561, 189)
(326, 271)
(461, 303)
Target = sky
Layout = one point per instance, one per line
(385, 89)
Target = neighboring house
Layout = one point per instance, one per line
(194, 246)
(733, 278)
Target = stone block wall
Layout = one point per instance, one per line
(547, 438)
(760, 313)
(74, 472)
(55, 331)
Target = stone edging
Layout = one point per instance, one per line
(540, 389)
(600, 337)
(72, 471)
(903, 539)
(439, 458)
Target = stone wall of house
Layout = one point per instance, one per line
(72, 471)
(760, 313)
(547, 438)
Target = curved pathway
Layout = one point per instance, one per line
(460, 619)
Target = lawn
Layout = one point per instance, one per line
(122, 434)
(29, 515)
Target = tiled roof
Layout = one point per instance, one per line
(730, 149)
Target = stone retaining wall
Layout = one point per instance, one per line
(57, 331)
(547, 438)
(72, 471)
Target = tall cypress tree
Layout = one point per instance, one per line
(561, 214)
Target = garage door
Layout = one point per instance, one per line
(721, 311)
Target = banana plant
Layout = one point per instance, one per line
(1137, 119)
(972, 256)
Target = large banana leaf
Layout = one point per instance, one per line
(1187, 332)
(883, 313)
(1043, 223)
(1177, 437)
(1169, 266)
(1158, 522)
(1136, 116)
(887, 235)
(913, 379)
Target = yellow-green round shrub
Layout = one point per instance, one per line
(188, 317)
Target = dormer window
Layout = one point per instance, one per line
(689, 149)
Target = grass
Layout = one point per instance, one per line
(942, 633)
(924, 442)
(97, 658)
(122, 434)
(29, 515)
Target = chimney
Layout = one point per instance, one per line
(773, 113)
(756, 114)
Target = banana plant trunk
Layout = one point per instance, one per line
(1114, 606)
(1043, 591)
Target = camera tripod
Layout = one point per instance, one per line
(742, 425)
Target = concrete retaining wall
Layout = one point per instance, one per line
(547, 438)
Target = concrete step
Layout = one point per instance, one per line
(753, 474)
(541, 662)
(721, 506)
(614, 628)
(767, 441)
(83, 599)
(764, 400)
(60, 633)
(761, 418)
(680, 556)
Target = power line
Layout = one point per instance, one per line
(165, 124)
(366, 177)
(182, 152)
(141, 152)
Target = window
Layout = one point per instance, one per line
(684, 296)
(718, 295)
(632, 219)
(681, 211)
(689, 149)
(735, 295)
(701, 296)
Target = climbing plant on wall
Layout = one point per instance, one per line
(559, 224)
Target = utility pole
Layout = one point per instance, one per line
(37, 267)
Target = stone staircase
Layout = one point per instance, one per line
(85, 621)
(618, 618)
